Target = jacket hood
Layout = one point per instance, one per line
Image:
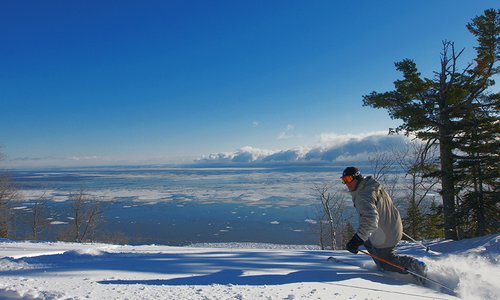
(367, 181)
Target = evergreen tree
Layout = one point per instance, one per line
(433, 222)
(477, 165)
(478, 169)
(414, 221)
(434, 108)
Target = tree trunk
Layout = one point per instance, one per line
(447, 182)
(479, 193)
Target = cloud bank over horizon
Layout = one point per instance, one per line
(330, 148)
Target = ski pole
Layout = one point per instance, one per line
(418, 242)
(387, 262)
(406, 270)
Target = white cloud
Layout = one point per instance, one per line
(78, 158)
(255, 124)
(287, 133)
(329, 139)
(331, 147)
(243, 155)
(284, 136)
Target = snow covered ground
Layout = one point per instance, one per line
(43, 270)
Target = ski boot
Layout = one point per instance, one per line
(418, 267)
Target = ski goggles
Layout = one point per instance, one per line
(347, 179)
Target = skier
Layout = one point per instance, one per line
(380, 226)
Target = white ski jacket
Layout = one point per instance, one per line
(379, 219)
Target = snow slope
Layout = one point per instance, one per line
(43, 270)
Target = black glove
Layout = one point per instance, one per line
(353, 245)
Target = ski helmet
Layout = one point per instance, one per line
(352, 171)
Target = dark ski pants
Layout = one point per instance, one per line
(389, 255)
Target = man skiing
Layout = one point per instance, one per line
(380, 227)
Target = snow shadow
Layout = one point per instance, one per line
(202, 267)
(237, 277)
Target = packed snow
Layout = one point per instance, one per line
(56, 270)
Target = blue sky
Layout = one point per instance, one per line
(130, 82)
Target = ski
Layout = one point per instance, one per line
(423, 279)
(337, 260)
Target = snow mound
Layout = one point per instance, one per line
(85, 251)
(9, 264)
(488, 246)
